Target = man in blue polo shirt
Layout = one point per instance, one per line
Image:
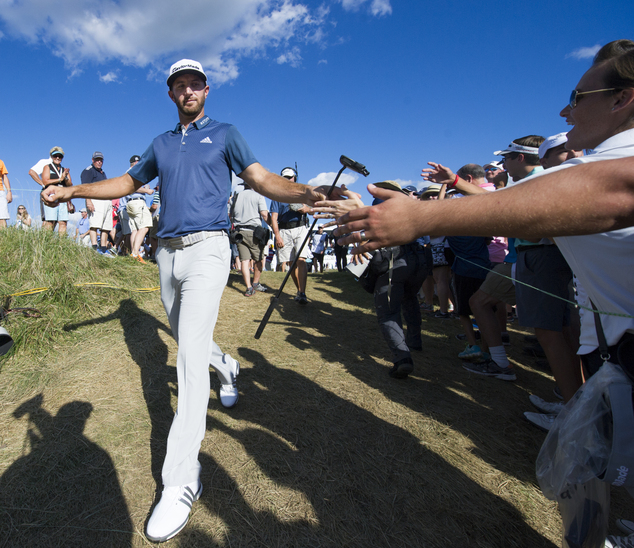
(193, 163)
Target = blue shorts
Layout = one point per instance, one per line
(58, 213)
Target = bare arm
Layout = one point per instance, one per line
(278, 188)
(584, 199)
(7, 187)
(64, 179)
(266, 217)
(442, 175)
(276, 230)
(109, 189)
(35, 177)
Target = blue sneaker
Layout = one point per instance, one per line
(471, 352)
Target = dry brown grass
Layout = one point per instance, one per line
(323, 449)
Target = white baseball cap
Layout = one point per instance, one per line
(514, 147)
(185, 66)
(552, 142)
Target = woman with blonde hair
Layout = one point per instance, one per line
(23, 219)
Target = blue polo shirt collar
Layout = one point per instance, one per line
(198, 124)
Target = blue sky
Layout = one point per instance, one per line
(392, 84)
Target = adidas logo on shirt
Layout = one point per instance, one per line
(206, 140)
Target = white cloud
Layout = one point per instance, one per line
(291, 57)
(322, 62)
(155, 33)
(112, 76)
(377, 7)
(328, 178)
(584, 53)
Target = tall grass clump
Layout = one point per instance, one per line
(34, 259)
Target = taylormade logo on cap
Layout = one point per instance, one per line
(186, 65)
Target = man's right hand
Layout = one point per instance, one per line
(53, 195)
(89, 206)
(279, 243)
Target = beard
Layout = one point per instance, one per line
(193, 109)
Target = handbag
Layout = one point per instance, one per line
(261, 235)
(380, 263)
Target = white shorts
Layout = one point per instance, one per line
(139, 214)
(4, 205)
(292, 238)
(102, 216)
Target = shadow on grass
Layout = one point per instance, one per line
(65, 491)
(485, 410)
(149, 352)
(366, 482)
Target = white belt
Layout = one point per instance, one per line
(190, 239)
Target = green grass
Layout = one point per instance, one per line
(31, 260)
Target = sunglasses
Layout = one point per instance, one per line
(58, 155)
(573, 96)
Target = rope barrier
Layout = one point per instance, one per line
(577, 305)
(37, 290)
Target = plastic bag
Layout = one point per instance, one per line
(577, 448)
(584, 509)
(575, 454)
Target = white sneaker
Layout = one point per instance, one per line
(552, 408)
(543, 422)
(172, 512)
(229, 392)
(613, 541)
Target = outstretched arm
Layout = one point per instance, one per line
(280, 189)
(442, 175)
(584, 199)
(103, 190)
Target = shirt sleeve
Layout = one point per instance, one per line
(146, 169)
(275, 207)
(3, 169)
(262, 204)
(239, 155)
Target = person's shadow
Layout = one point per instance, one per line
(149, 352)
(65, 491)
(340, 476)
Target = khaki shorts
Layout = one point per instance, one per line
(499, 287)
(102, 216)
(248, 248)
(140, 216)
(293, 238)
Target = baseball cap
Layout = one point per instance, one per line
(288, 172)
(58, 150)
(514, 147)
(410, 188)
(495, 164)
(552, 142)
(432, 190)
(185, 66)
(83, 210)
(390, 185)
(97, 155)
(135, 158)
